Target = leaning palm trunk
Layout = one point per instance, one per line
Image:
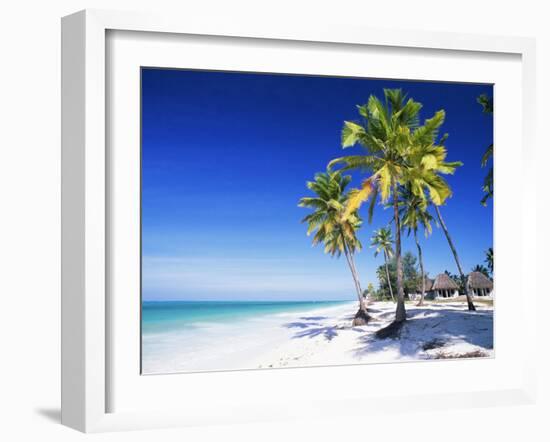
(388, 275)
(361, 317)
(422, 294)
(467, 287)
(351, 263)
(400, 314)
(354, 270)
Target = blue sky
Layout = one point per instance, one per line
(225, 159)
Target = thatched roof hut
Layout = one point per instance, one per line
(444, 282)
(480, 284)
(478, 280)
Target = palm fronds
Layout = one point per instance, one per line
(487, 105)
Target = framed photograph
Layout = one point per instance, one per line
(260, 220)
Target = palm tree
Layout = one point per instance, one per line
(487, 105)
(488, 180)
(427, 164)
(481, 269)
(489, 259)
(336, 232)
(383, 241)
(399, 151)
(370, 289)
(414, 212)
(465, 284)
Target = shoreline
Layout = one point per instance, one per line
(226, 345)
(324, 336)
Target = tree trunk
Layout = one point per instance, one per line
(467, 287)
(400, 314)
(354, 269)
(421, 302)
(388, 275)
(361, 317)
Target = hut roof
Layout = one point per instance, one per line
(444, 282)
(427, 285)
(478, 280)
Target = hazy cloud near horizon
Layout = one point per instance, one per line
(241, 279)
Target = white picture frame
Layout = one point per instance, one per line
(86, 203)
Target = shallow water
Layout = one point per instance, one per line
(179, 336)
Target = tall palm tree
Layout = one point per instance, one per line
(427, 164)
(489, 259)
(465, 284)
(336, 232)
(414, 213)
(382, 241)
(399, 151)
(487, 105)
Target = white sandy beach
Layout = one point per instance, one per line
(432, 331)
(324, 336)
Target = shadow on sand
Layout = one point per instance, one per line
(298, 324)
(328, 332)
(424, 326)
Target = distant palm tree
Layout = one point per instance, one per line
(399, 151)
(413, 211)
(370, 289)
(487, 105)
(481, 269)
(383, 241)
(454, 277)
(489, 258)
(337, 232)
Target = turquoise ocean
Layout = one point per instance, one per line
(167, 316)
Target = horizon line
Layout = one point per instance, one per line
(247, 300)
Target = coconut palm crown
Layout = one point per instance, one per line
(398, 151)
(382, 242)
(336, 232)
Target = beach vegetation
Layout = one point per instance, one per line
(457, 280)
(411, 277)
(481, 269)
(487, 188)
(382, 242)
(489, 259)
(413, 211)
(334, 227)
